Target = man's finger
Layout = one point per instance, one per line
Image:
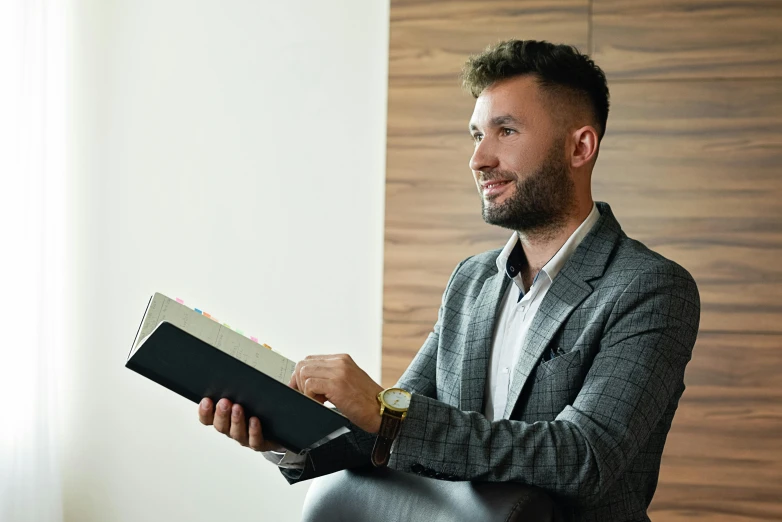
(206, 411)
(222, 420)
(320, 398)
(295, 382)
(238, 430)
(315, 387)
(323, 368)
(255, 435)
(256, 440)
(329, 360)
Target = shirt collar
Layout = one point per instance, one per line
(512, 259)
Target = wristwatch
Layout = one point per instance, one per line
(393, 409)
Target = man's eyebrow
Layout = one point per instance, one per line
(504, 120)
(498, 121)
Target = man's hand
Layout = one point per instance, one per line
(229, 420)
(339, 380)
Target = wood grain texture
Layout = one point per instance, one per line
(722, 460)
(430, 40)
(654, 39)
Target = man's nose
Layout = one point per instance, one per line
(484, 157)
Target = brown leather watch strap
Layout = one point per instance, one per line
(389, 429)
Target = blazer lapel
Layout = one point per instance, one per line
(480, 331)
(565, 294)
(568, 290)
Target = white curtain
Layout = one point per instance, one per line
(32, 225)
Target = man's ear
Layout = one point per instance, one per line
(584, 146)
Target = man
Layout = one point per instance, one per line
(556, 361)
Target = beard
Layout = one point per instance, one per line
(542, 201)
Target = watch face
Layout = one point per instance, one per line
(396, 399)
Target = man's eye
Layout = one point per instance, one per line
(508, 132)
(477, 137)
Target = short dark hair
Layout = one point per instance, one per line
(559, 69)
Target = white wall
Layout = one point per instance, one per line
(231, 154)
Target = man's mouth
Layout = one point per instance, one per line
(495, 187)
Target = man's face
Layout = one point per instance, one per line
(519, 162)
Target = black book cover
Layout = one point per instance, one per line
(195, 369)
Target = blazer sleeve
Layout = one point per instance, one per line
(354, 449)
(636, 375)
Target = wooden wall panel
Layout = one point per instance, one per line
(653, 39)
(430, 40)
(722, 460)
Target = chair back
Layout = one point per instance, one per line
(386, 495)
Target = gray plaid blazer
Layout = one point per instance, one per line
(589, 425)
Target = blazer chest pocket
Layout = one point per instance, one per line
(555, 385)
(569, 362)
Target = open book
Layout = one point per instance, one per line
(190, 353)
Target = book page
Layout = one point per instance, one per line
(163, 308)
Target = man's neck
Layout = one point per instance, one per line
(539, 247)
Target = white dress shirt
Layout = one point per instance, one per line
(519, 309)
(511, 327)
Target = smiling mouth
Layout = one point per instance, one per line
(494, 183)
(495, 187)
